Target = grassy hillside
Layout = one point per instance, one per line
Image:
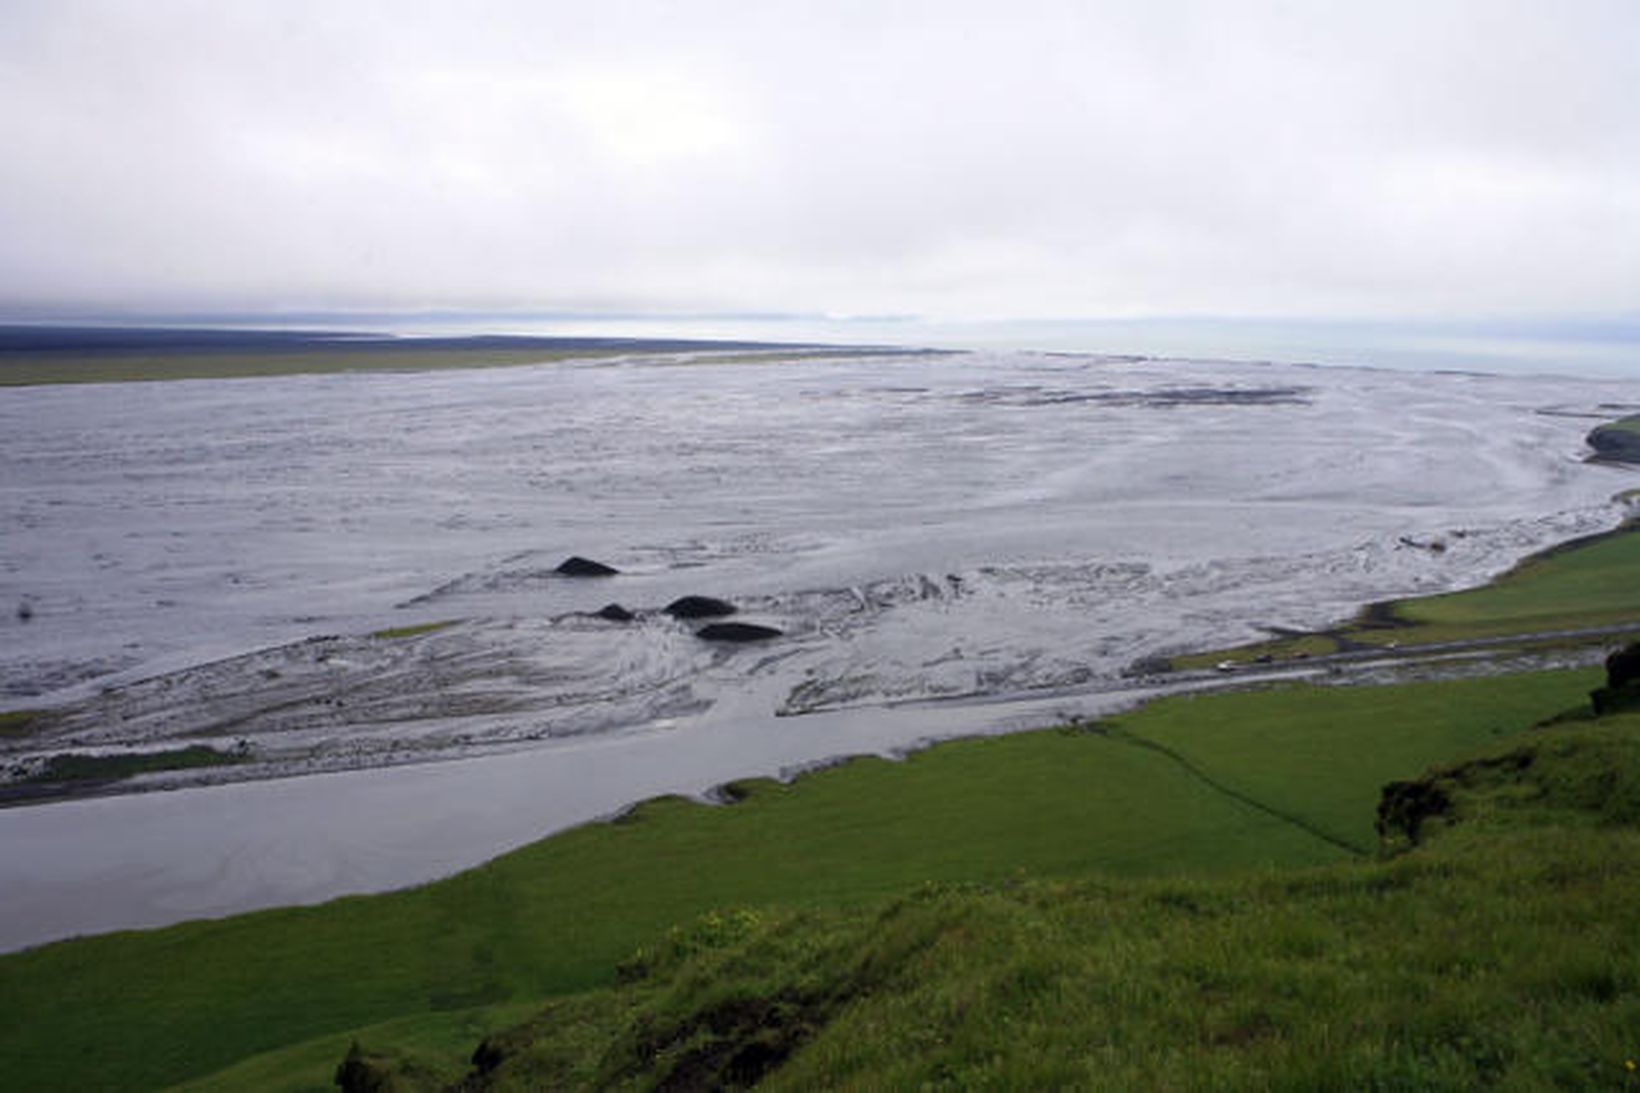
(1618, 440)
(1501, 950)
(1188, 787)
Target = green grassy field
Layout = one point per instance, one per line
(1186, 788)
(1504, 952)
(1320, 755)
(1585, 583)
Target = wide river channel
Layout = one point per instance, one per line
(949, 543)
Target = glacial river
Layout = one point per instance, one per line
(949, 543)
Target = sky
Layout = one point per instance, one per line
(948, 162)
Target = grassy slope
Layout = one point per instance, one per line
(1504, 951)
(142, 1009)
(1586, 583)
(1321, 755)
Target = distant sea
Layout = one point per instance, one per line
(1608, 348)
(1604, 347)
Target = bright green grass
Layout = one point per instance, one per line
(1504, 952)
(140, 1009)
(1320, 755)
(393, 633)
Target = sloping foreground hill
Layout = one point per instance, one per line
(1502, 948)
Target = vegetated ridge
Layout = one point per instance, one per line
(1618, 440)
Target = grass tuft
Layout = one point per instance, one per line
(394, 633)
(17, 724)
(74, 766)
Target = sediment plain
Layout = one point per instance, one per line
(949, 544)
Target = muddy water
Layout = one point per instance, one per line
(949, 543)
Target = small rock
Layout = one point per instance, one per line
(577, 566)
(737, 631)
(364, 1072)
(1404, 806)
(1623, 666)
(614, 612)
(699, 607)
(1622, 689)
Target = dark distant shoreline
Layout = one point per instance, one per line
(31, 355)
(29, 339)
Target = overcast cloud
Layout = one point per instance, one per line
(941, 159)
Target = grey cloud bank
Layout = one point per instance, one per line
(954, 162)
